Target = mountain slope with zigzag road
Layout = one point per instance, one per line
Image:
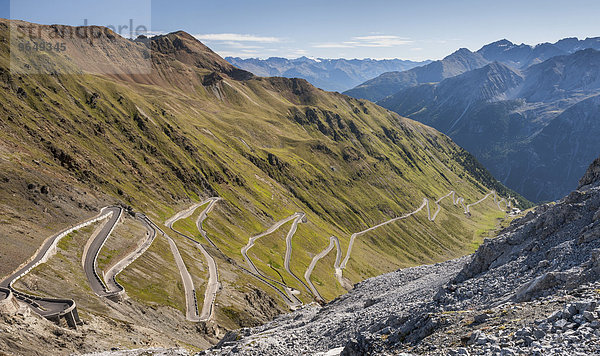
(292, 165)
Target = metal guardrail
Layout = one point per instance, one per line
(33, 300)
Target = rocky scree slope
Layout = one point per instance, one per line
(531, 290)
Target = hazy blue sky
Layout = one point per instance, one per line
(351, 29)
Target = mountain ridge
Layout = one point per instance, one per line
(328, 74)
(386, 84)
(518, 57)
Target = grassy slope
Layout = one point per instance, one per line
(269, 148)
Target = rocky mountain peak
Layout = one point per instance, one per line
(187, 49)
(482, 84)
(503, 43)
(461, 52)
(591, 176)
(494, 48)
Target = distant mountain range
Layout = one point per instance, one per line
(389, 83)
(532, 118)
(503, 51)
(327, 74)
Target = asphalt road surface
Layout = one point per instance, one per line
(49, 306)
(212, 286)
(91, 254)
(288, 250)
(4, 293)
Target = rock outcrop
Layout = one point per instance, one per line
(8, 303)
(591, 176)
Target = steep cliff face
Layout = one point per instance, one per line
(505, 127)
(562, 150)
(560, 78)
